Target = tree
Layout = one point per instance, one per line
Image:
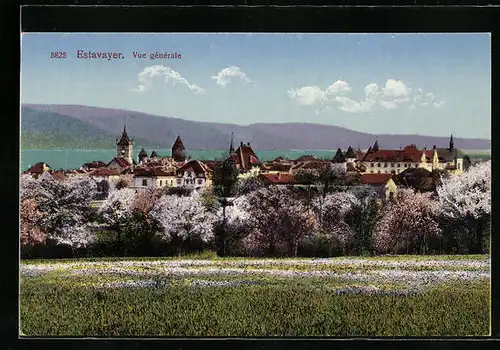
(31, 217)
(183, 218)
(65, 206)
(224, 184)
(334, 209)
(362, 216)
(122, 183)
(116, 212)
(276, 217)
(248, 185)
(466, 199)
(407, 225)
(236, 225)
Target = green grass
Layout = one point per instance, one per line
(59, 303)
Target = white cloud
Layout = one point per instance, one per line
(340, 87)
(225, 75)
(351, 106)
(395, 88)
(388, 104)
(390, 97)
(308, 95)
(171, 76)
(372, 90)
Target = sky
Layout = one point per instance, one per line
(428, 84)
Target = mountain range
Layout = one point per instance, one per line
(78, 126)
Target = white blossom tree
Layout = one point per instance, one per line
(116, 211)
(31, 217)
(183, 218)
(65, 206)
(466, 198)
(407, 225)
(333, 209)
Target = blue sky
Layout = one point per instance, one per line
(429, 84)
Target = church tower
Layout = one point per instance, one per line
(125, 146)
(178, 150)
(452, 145)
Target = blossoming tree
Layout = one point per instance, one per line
(183, 218)
(466, 199)
(407, 225)
(276, 217)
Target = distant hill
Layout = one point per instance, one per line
(95, 127)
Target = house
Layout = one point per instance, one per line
(396, 161)
(93, 165)
(37, 169)
(105, 179)
(384, 182)
(419, 179)
(279, 179)
(119, 164)
(245, 158)
(194, 174)
(153, 177)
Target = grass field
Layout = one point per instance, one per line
(386, 296)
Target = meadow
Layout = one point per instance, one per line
(209, 296)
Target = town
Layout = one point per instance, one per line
(386, 169)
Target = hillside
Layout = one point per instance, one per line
(94, 127)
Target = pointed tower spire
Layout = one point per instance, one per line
(231, 147)
(375, 145)
(451, 142)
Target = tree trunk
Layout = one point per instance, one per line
(296, 249)
(118, 241)
(478, 239)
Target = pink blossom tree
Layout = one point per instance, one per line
(31, 232)
(407, 224)
(275, 216)
(466, 199)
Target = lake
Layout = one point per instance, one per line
(75, 158)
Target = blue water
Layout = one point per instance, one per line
(75, 158)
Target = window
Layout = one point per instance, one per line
(160, 182)
(179, 181)
(399, 165)
(372, 165)
(406, 165)
(385, 165)
(391, 196)
(392, 165)
(379, 171)
(200, 181)
(144, 182)
(378, 164)
(371, 171)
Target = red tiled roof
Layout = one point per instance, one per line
(278, 167)
(408, 154)
(278, 178)
(37, 168)
(245, 157)
(94, 165)
(306, 158)
(104, 172)
(195, 166)
(375, 179)
(314, 164)
(122, 162)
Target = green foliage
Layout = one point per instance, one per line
(225, 178)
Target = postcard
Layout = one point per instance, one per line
(255, 185)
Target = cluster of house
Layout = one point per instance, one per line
(377, 167)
